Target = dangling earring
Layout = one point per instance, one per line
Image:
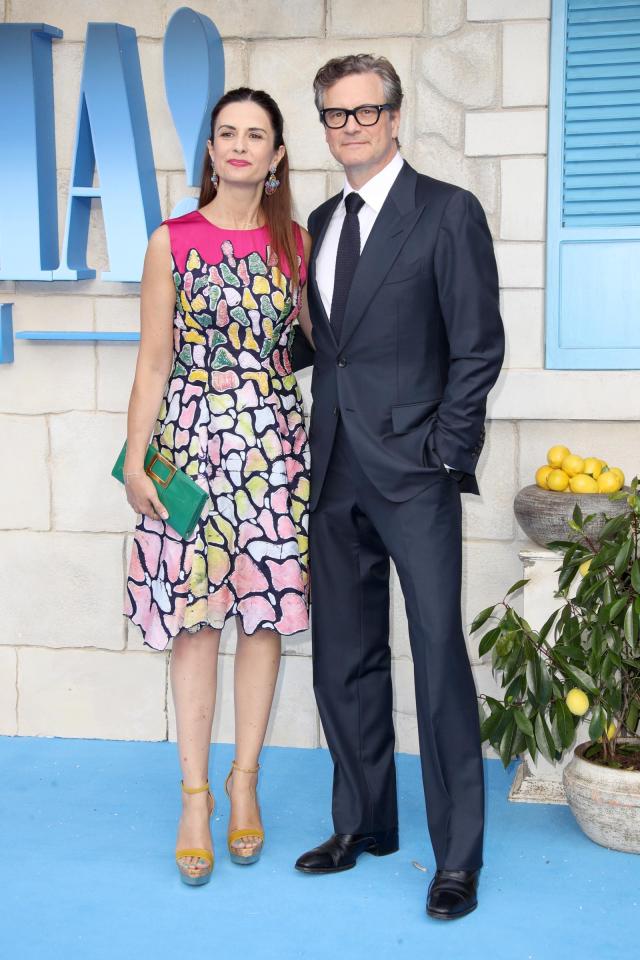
(214, 176)
(272, 183)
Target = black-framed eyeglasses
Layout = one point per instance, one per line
(366, 115)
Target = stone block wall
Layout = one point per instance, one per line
(475, 75)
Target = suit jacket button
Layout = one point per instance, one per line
(342, 362)
(335, 411)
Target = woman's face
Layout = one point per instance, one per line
(242, 147)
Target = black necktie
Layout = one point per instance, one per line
(346, 261)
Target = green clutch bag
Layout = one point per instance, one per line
(182, 497)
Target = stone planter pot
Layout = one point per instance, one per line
(604, 801)
(544, 514)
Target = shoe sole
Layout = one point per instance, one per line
(374, 851)
(195, 881)
(244, 861)
(318, 870)
(451, 916)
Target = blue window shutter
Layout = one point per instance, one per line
(593, 212)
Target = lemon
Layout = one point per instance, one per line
(611, 731)
(541, 476)
(593, 466)
(573, 464)
(557, 480)
(608, 482)
(556, 455)
(619, 473)
(582, 483)
(577, 701)
(584, 567)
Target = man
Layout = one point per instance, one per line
(403, 295)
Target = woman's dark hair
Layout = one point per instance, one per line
(277, 208)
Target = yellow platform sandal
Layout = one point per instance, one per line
(243, 833)
(198, 872)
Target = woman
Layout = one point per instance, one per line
(221, 288)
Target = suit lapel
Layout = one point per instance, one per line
(315, 249)
(393, 224)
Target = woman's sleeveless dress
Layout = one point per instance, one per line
(232, 419)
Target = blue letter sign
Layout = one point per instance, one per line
(112, 130)
(193, 84)
(28, 210)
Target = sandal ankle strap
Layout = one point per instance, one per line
(234, 766)
(195, 789)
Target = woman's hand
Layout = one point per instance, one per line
(143, 496)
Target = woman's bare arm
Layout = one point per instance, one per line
(157, 309)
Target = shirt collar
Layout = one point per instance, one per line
(375, 191)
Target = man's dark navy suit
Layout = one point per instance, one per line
(403, 393)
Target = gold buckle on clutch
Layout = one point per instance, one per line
(163, 481)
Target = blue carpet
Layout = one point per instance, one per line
(87, 830)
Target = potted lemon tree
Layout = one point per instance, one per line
(583, 662)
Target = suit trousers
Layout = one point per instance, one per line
(354, 531)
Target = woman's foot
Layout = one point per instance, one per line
(245, 811)
(194, 832)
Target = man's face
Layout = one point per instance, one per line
(363, 150)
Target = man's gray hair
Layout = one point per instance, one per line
(340, 67)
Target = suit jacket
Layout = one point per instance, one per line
(422, 341)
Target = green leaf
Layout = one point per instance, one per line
(524, 723)
(577, 516)
(582, 679)
(635, 576)
(489, 725)
(546, 746)
(488, 640)
(622, 559)
(531, 747)
(545, 685)
(560, 545)
(516, 689)
(515, 664)
(482, 618)
(571, 650)
(616, 608)
(555, 733)
(516, 586)
(566, 727)
(631, 719)
(534, 681)
(544, 630)
(612, 526)
(598, 722)
(507, 742)
(630, 626)
(519, 743)
(608, 667)
(567, 575)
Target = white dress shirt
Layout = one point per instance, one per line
(374, 193)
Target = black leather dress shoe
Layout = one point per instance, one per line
(452, 894)
(342, 850)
